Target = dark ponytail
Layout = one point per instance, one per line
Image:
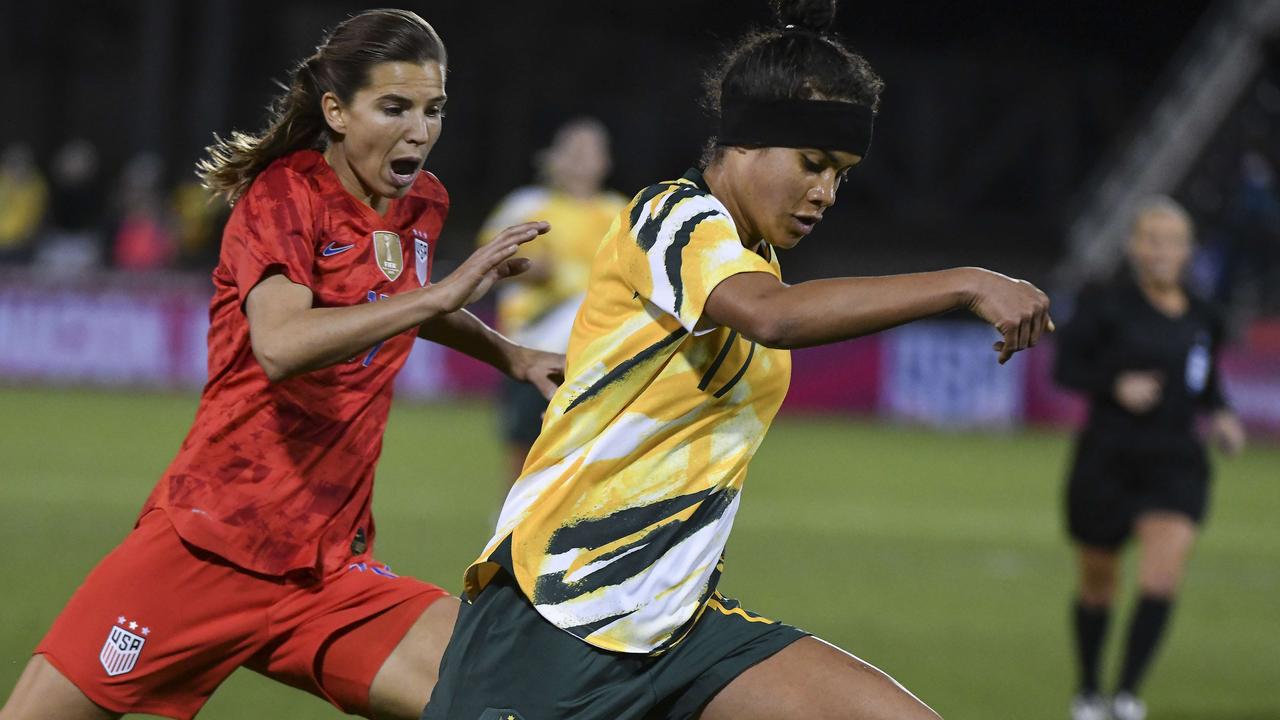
(341, 65)
(799, 59)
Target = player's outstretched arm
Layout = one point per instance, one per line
(291, 337)
(762, 308)
(467, 334)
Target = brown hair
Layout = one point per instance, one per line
(341, 65)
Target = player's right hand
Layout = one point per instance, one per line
(488, 264)
(1227, 432)
(1018, 310)
(1138, 390)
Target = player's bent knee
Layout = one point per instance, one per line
(1098, 594)
(1161, 588)
(1099, 581)
(43, 692)
(1160, 582)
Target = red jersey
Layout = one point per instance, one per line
(277, 477)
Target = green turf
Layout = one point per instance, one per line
(938, 557)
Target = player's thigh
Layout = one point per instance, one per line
(1165, 540)
(42, 692)
(813, 680)
(404, 683)
(334, 641)
(157, 625)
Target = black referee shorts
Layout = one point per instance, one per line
(1112, 483)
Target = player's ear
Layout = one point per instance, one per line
(334, 113)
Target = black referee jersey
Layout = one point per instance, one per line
(1116, 329)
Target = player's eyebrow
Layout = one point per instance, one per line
(826, 154)
(396, 97)
(440, 99)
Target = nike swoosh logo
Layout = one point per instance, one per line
(334, 248)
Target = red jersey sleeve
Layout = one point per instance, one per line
(271, 231)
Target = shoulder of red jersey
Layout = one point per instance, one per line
(428, 187)
(287, 175)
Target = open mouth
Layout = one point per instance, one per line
(404, 170)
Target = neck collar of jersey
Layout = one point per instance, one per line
(694, 175)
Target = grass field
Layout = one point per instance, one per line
(938, 557)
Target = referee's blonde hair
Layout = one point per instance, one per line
(1165, 205)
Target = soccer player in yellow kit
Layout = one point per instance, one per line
(537, 307)
(596, 597)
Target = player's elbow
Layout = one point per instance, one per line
(769, 329)
(273, 361)
(275, 371)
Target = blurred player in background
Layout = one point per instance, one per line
(1145, 352)
(24, 197)
(536, 308)
(596, 598)
(255, 548)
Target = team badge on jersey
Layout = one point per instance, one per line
(123, 646)
(388, 253)
(422, 256)
(500, 714)
(1199, 363)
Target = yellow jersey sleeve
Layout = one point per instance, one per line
(683, 244)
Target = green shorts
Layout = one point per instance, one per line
(520, 410)
(506, 661)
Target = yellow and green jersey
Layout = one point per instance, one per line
(541, 314)
(616, 527)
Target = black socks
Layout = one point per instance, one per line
(1091, 629)
(1145, 630)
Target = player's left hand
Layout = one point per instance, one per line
(492, 262)
(1227, 432)
(1018, 310)
(543, 370)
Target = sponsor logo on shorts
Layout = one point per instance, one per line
(123, 646)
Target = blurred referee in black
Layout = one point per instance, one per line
(1144, 351)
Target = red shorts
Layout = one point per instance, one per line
(159, 624)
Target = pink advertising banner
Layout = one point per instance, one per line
(115, 330)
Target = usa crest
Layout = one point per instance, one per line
(388, 253)
(422, 257)
(121, 650)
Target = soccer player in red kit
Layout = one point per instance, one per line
(255, 548)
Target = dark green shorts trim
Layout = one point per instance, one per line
(504, 656)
